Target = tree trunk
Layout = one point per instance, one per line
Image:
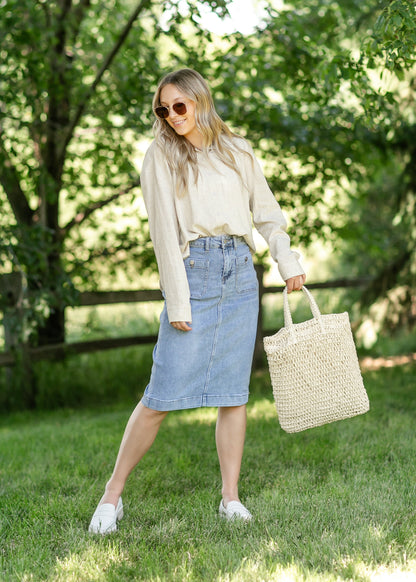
(53, 330)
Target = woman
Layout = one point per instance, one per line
(202, 187)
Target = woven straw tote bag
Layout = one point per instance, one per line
(314, 370)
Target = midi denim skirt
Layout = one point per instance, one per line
(210, 365)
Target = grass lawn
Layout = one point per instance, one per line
(333, 503)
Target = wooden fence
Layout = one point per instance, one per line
(10, 286)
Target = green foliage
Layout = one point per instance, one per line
(75, 91)
(76, 87)
(327, 92)
(40, 289)
(303, 90)
(394, 36)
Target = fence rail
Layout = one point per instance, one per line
(58, 351)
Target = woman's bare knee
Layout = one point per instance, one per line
(151, 415)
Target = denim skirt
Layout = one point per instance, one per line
(211, 364)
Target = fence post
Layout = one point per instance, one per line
(258, 358)
(11, 289)
(19, 377)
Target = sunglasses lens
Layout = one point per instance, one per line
(162, 112)
(179, 108)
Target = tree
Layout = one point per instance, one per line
(77, 78)
(327, 92)
(76, 85)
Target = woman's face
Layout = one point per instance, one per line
(185, 124)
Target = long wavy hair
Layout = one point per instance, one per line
(216, 136)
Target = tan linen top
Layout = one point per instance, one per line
(220, 202)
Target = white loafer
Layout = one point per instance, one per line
(235, 510)
(105, 518)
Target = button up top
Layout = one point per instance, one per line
(219, 202)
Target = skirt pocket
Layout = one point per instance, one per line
(197, 274)
(246, 278)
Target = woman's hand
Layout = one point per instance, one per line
(295, 283)
(181, 325)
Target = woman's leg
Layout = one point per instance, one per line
(230, 434)
(140, 432)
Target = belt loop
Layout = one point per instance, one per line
(207, 240)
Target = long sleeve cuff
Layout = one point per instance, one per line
(179, 311)
(290, 267)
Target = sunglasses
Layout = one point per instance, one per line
(163, 112)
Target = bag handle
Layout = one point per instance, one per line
(313, 305)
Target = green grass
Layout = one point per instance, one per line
(333, 503)
(86, 380)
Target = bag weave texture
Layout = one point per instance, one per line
(314, 370)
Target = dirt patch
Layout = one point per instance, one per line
(389, 362)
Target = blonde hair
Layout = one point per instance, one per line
(180, 153)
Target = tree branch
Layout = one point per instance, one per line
(83, 215)
(106, 64)
(9, 179)
(78, 16)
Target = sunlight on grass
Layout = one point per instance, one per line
(112, 320)
(262, 408)
(91, 564)
(206, 416)
(385, 574)
(254, 571)
(97, 564)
